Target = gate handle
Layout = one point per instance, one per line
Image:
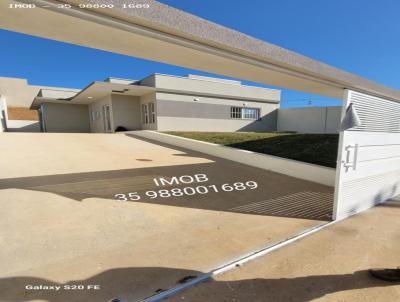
(347, 164)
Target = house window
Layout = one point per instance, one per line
(236, 112)
(145, 114)
(152, 113)
(148, 113)
(245, 113)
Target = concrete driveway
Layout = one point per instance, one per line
(330, 266)
(62, 223)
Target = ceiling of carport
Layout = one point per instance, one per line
(168, 35)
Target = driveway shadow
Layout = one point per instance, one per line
(299, 289)
(276, 194)
(133, 284)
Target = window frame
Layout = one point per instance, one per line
(152, 113)
(148, 113)
(245, 113)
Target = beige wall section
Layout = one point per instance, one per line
(215, 88)
(96, 114)
(18, 93)
(310, 119)
(268, 113)
(66, 118)
(22, 113)
(149, 98)
(126, 112)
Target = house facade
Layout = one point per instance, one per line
(158, 102)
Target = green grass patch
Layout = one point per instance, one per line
(319, 149)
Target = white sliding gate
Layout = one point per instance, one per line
(368, 170)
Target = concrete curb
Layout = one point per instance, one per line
(236, 263)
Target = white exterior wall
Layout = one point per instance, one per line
(182, 121)
(97, 125)
(309, 119)
(213, 87)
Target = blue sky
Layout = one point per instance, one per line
(359, 36)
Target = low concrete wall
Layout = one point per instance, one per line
(23, 126)
(310, 119)
(310, 172)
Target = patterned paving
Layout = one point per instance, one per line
(308, 205)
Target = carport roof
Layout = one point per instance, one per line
(163, 33)
(94, 91)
